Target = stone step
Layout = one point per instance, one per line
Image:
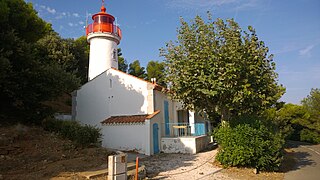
(131, 167)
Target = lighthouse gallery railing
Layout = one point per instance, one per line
(104, 27)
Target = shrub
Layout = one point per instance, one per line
(310, 136)
(81, 135)
(249, 145)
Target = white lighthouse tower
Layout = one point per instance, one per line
(104, 36)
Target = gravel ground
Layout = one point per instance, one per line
(183, 166)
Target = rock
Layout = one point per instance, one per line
(201, 173)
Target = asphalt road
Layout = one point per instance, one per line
(308, 162)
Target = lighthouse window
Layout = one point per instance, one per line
(114, 55)
(104, 19)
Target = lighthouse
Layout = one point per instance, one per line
(103, 36)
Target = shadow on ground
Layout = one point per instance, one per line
(295, 160)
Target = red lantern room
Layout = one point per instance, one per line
(103, 22)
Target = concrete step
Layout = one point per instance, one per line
(131, 167)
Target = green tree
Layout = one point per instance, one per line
(52, 48)
(122, 63)
(216, 66)
(81, 52)
(30, 75)
(312, 104)
(156, 69)
(288, 119)
(136, 70)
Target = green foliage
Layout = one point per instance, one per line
(296, 122)
(155, 69)
(249, 145)
(20, 17)
(218, 66)
(83, 136)
(310, 136)
(288, 119)
(136, 70)
(32, 72)
(80, 50)
(312, 104)
(122, 63)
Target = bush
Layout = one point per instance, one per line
(249, 145)
(310, 136)
(81, 135)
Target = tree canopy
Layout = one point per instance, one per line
(31, 72)
(136, 70)
(216, 66)
(122, 63)
(312, 104)
(156, 69)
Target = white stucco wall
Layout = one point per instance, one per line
(188, 145)
(102, 57)
(159, 98)
(112, 93)
(125, 137)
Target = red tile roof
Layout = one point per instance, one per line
(125, 119)
(129, 119)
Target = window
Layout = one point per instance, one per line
(110, 83)
(114, 55)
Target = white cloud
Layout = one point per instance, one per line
(51, 10)
(306, 51)
(70, 24)
(81, 22)
(75, 15)
(191, 4)
(64, 13)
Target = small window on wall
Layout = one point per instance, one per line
(110, 83)
(114, 55)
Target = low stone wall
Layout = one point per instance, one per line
(190, 145)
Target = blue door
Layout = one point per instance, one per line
(155, 138)
(166, 118)
(199, 129)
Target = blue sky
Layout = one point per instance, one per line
(290, 28)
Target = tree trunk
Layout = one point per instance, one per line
(225, 116)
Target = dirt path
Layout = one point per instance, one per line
(183, 166)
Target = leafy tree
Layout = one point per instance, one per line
(81, 51)
(136, 70)
(55, 49)
(122, 63)
(156, 69)
(288, 119)
(216, 66)
(30, 75)
(312, 104)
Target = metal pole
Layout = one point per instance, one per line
(137, 168)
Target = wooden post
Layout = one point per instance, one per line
(137, 168)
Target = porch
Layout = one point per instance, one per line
(188, 138)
